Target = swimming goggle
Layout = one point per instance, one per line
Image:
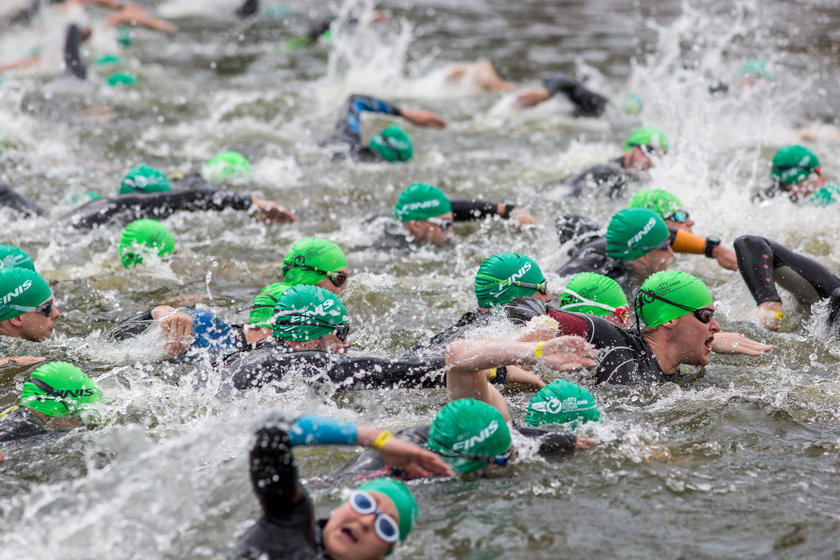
(500, 460)
(338, 278)
(342, 331)
(51, 393)
(541, 286)
(621, 312)
(445, 224)
(680, 216)
(44, 309)
(705, 316)
(385, 526)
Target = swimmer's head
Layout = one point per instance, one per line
(403, 500)
(660, 201)
(596, 294)
(304, 313)
(754, 70)
(504, 276)
(421, 202)
(144, 179)
(144, 237)
(562, 402)
(21, 291)
(225, 165)
(393, 144)
(470, 435)
(15, 257)
(650, 138)
(59, 389)
(794, 164)
(670, 294)
(634, 232)
(317, 262)
(262, 306)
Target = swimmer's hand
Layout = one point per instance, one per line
(770, 315)
(736, 343)
(271, 213)
(22, 360)
(567, 353)
(725, 258)
(414, 460)
(522, 377)
(541, 327)
(176, 327)
(423, 118)
(584, 443)
(523, 219)
(532, 97)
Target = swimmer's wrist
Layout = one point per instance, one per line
(379, 442)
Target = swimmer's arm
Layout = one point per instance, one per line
(467, 209)
(568, 323)
(23, 63)
(73, 62)
(382, 373)
(269, 212)
(22, 360)
(176, 328)
(736, 343)
(588, 102)
(133, 14)
(684, 242)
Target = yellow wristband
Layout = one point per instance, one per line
(778, 314)
(381, 440)
(491, 375)
(538, 349)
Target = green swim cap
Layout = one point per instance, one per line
(393, 144)
(633, 104)
(15, 257)
(421, 202)
(21, 290)
(124, 38)
(312, 252)
(829, 194)
(595, 288)
(561, 402)
(793, 164)
(140, 238)
(107, 59)
(647, 136)
(121, 79)
(634, 232)
(144, 179)
(661, 202)
(262, 306)
(305, 313)
(59, 389)
(471, 427)
(495, 281)
(225, 165)
(401, 496)
(676, 287)
(755, 68)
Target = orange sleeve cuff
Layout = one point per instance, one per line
(685, 242)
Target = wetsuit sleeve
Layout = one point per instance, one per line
(684, 242)
(349, 125)
(72, 57)
(248, 8)
(466, 209)
(759, 258)
(569, 323)
(320, 430)
(11, 200)
(587, 102)
(274, 474)
(380, 373)
(128, 207)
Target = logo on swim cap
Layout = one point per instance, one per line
(421, 202)
(636, 238)
(471, 442)
(634, 232)
(16, 292)
(515, 276)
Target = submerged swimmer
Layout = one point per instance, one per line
(797, 172)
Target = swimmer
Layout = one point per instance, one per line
(28, 309)
(595, 294)
(587, 102)
(316, 262)
(56, 396)
(392, 144)
(612, 178)
(376, 517)
(797, 173)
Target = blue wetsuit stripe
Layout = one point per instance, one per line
(319, 430)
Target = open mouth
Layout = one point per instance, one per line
(349, 535)
(709, 344)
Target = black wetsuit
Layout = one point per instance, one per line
(19, 423)
(17, 205)
(273, 359)
(587, 102)
(438, 342)
(72, 56)
(347, 138)
(762, 263)
(576, 230)
(370, 464)
(125, 208)
(593, 257)
(287, 529)
(609, 178)
(625, 358)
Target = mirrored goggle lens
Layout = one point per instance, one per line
(337, 278)
(704, 315)
(679, 216)
(342, 331)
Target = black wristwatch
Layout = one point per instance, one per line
(711, 243)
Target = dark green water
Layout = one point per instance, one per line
(740, 461)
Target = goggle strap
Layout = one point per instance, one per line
(586, 302)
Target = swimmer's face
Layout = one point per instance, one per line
(695, 338)
(349, 535)
(638, 159)
(36, 326)
(654, 261)
(331, 343)
(329, 284)
(804, 189)
(436, 231)
(681, 226)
